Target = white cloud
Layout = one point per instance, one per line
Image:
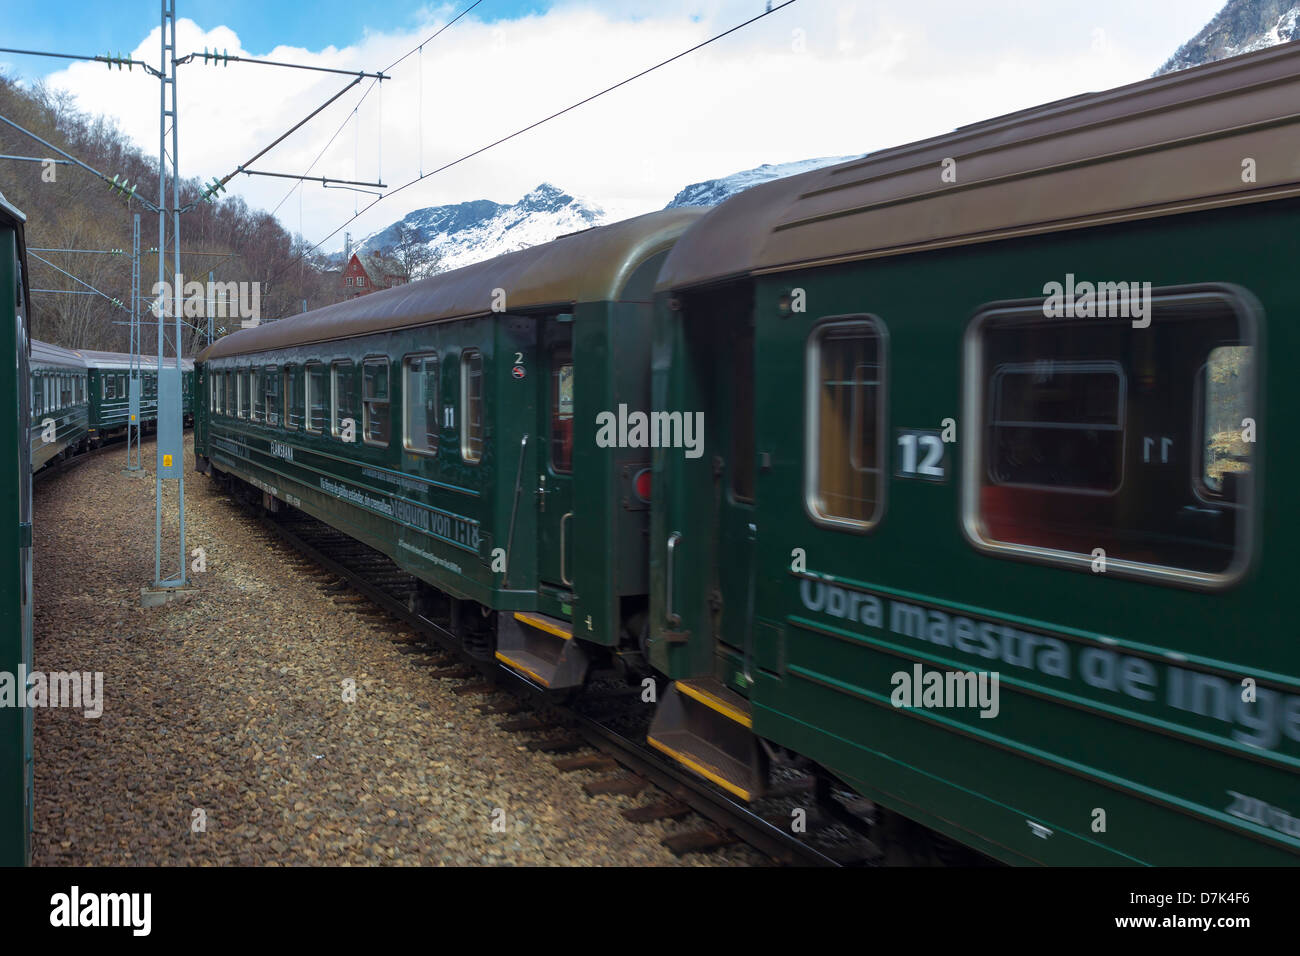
(815, 79)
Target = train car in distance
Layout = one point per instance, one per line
(59, 403)
(15, 537)
(435, 422)
(994, 521)
(110, 397)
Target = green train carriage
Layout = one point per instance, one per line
(435, 422)
(921, 462)
(16, 538)
(110, 376)
(59, 403)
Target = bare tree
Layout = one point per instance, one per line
(414, 258)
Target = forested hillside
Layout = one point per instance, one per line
(79, 211)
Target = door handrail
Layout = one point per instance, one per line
(514, 507)
(564, 576)
(674, 619)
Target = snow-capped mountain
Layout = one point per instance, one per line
(467, 232)
(1242, 26)
(713, 191)
(473, 231)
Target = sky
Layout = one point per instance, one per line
(815, 78)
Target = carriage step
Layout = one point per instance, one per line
(708, 729)
(541, 649)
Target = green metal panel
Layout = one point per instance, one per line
(15, 551)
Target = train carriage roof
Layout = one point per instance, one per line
(1175, 143)
(11, 212)
(590, 266)
(43, 354)
(121, 361)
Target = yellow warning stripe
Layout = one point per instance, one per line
(702, 770)
(516, 666)
(542, 624)
(713, 702)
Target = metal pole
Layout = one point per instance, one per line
(133, 461)
(170, 449)
(179, 393)
(162, 259)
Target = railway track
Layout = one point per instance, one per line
(801, 822)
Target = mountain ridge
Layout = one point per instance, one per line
(462, 233)
(459, 234)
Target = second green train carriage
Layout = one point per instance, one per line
(59, 403)
(109, 384)
(435, 422)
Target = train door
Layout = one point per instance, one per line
(555, 456)
(735, 496)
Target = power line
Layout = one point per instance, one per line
(547, 119)
(112, 61)
(224, 58)
(39, 159)
(326, 147)
(216, 185)
(122, 187)
(116, 302)
(367, 91)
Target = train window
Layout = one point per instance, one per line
(293, 406)
(562, 410)
(256, 396)
(228, 403)
(241, 392)
(471, 405)
(37, 405)
(1057, 424)
(1090, 439)
(271, 378)
(345, 392)
(1227, 384)
(109, 386)
(315, 397)
(421, 395)
(844, 457)
(374, 398)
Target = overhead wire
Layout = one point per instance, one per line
(546, 119)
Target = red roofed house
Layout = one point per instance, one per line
(366, 272)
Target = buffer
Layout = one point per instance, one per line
(708, 729)
(542, 649)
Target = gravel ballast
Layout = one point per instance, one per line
(226, 738)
